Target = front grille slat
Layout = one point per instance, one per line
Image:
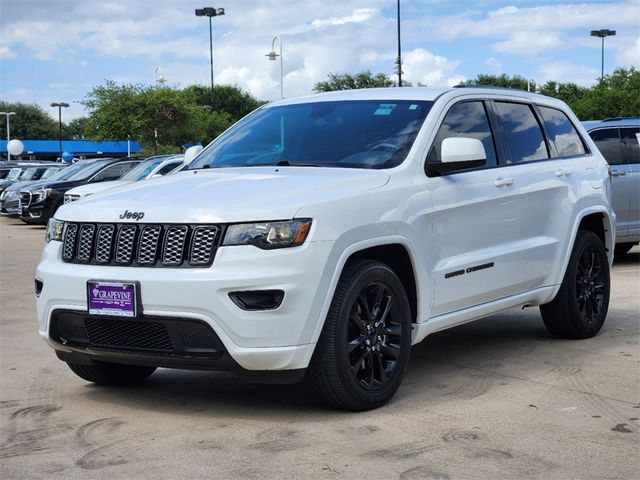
(141, 245)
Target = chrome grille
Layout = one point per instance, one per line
(124, 244)
(141, 245)
(104, 240)
(174, 245)
(69, 246)
(85, 242)
(25, 199)
(148, 245)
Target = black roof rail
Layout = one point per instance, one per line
(491, 87)
(616, 119)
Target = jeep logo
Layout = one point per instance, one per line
(132, 215)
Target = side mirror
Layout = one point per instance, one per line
(459, 153)
(191, 153)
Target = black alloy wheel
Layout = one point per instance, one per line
(363, 350)
(590, 284)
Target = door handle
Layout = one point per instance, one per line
(503, 182)
(618, 173)
(561, 172)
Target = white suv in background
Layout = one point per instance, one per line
(323, 236)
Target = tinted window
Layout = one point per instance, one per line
(168, 167)
(631, 152)
(561, 133)
(523, 136)
(114, 172)
(346, 134)
(608, 142)
(467, 119)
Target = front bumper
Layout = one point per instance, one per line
(279, 339)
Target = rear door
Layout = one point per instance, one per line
(609, 142)
(631, 157)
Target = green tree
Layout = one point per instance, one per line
(227, 98)
(615, 95)
(30, 122)
(75, 129)
(505, 81)
(346, 81)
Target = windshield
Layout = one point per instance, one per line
(86, 172)
(346, 134)
(50, 172)
(28, 174)
(14, 173)
(140, 172)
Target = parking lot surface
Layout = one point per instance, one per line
(498, 398)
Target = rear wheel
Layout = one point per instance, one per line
(581, 305)
(363, 351)
(104, 373)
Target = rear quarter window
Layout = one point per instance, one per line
(608, 142)
(561, 132)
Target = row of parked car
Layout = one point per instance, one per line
(33, 192)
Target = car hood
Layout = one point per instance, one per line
(225, 195)
(20, 185)
(91, 188)
(60, 185)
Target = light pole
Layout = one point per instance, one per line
(605, 32)
(8, 114)
(399, 58)
(272, 55)
(210, 12)
(60, 106)
(159, 78)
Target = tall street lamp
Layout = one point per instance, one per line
(272, 55)
(210, 12)
(8, 114)
(60, 106)
(399, 57)
(605, 32)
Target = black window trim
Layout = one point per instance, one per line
(492, 127)
(550, 145)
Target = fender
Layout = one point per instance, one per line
(609, 232)
(342, 260)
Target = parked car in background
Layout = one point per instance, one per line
(10, 198)
(617, 139)
(23, 171)
(39, 203)
(149, 168)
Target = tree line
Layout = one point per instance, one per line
(164, 118)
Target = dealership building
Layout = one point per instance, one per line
(80, 149)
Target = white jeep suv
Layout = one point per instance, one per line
(323, 236)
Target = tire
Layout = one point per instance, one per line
(580, 307)
(623, 248)
(104, 373)
(364, 348)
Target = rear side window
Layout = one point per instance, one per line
(608, 142)
(523, 136)
(562, 134)
(631, 152)
(467, 119)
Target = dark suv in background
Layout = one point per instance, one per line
(39, 202)
(617, 140)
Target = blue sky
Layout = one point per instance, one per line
(57, 50)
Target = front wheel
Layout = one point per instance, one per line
(363, 351)
(581, 305)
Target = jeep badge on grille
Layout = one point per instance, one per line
(132, 215)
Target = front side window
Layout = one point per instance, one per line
(114, 172)
(466, 119)
(341, 134)
(562, 134)
(522, 134)
(608, 142)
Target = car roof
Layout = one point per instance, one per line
(612, 122)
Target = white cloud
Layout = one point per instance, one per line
(494, 64)
(358, 16)
(630, 56)
(6, 52)
(530, 43)
(422, 66)
(568, 72)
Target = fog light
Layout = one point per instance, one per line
(38, 287)
(257, 299)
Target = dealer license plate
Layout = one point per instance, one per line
(112, 298)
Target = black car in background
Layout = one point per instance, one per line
(10, 198)
(39, 202)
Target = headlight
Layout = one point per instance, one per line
(268, 235)
(54, 231)
(3, 194)
(40, 195)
